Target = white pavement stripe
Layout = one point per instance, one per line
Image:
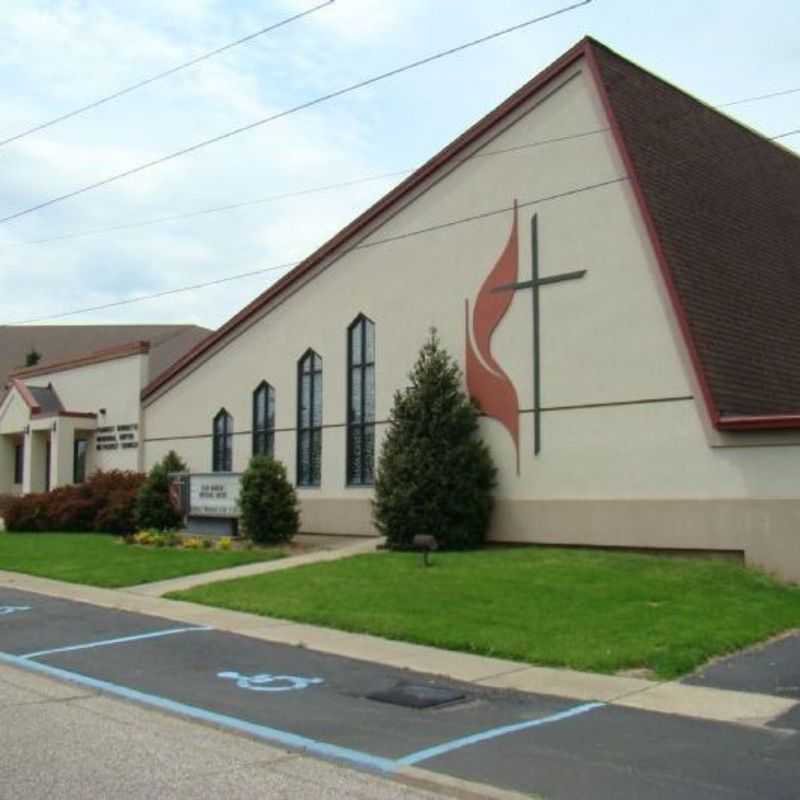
(120, 640)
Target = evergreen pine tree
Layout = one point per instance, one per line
(33, 357)
(153, 506)
(435, 475)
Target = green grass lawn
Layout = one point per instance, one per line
(102, 560)
(588, 610)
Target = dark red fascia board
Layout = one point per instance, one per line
(652, 233)
(360, 222)
(26, 395)
(773, 422)
(95, 357)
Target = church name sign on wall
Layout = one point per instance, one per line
(115, 437)
(214, 495)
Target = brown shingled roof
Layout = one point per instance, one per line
(57, 343)
(724, 203)
(722, 208)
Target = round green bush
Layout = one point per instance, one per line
(268, 502)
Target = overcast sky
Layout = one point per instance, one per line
(56, 55)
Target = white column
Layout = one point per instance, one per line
(62, 453)
(7, 451)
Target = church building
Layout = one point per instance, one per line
(616, 267)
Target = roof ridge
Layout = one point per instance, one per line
(105, 354)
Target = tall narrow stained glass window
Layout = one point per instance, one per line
(264, 420)
(361, 402)
(309, 420)
(222, 442)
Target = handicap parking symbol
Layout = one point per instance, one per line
(266, 682)
(6, 610)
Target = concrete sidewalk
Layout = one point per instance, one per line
(698, 702)
(337, 549)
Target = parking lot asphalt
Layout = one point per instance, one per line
(320, 703)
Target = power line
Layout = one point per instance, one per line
(342, 184)
(397, 237)
(760, 97)
(299, 193)
(165, 293)
(302, 106)
(406, 235)
(164, 74)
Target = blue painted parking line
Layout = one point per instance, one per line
(493, 733)
(121, 640)
(272, 735)
(285, 738)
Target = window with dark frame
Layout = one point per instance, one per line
(79, 450)
(309, 420)
(19, 462)
(222, 442)
(264, 420)
(361, 402)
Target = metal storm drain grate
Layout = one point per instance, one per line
(413, 695)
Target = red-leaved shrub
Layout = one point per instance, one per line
(104, 503)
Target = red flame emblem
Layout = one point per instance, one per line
(487, 383)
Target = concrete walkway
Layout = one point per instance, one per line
(336, 549)
(700, 702)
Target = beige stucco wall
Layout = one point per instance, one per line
(111, 385)
(608, 340)
(14, 414)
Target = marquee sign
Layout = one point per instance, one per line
(214, 495)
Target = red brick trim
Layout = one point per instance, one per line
(371, 214)
(96, 357)
(776, 422)
(666, 273)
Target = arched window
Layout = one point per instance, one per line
(309, 419)
(222, 442)
(361, 402)
(264, 420)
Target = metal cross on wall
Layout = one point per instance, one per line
(534, 283)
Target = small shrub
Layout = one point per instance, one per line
(104, 503)
(153, 506)
(171, 539)
(224, 543)
(192, 542)
(208, 543)
(268, 502)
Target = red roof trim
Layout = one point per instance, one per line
(26, 395)
(96, 357)
(776, 422)
(371, 214)
(652, 233)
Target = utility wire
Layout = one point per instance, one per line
(759, 97)
(408, 234)
(308, 104)
(341, 185)
(299, 193)
(397, 237)
(161, 75)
